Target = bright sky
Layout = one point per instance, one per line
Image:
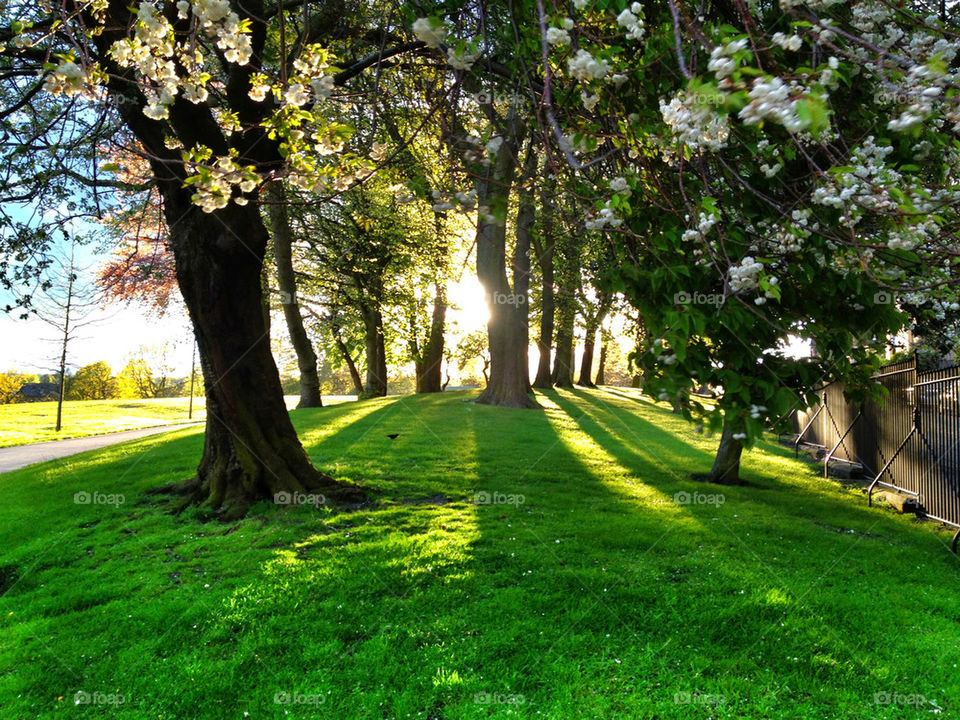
(29, 345)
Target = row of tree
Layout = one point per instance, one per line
(96, 381)
(733, 173)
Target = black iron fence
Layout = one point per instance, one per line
(909, 441)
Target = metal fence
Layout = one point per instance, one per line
(909, 441)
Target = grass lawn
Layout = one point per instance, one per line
(35, 422)
(516, 564)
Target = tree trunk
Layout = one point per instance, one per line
(726, 465)
(602, 365)
(586, 359)
(251, 451)
(429, 367)
(345, 353)
(564, 361)
(509, 383)
(568, 286)
(543, 379)
(376, 381)
(590, 341)
(287, 285)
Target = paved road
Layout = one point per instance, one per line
(14, 458)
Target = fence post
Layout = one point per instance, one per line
(826, 460)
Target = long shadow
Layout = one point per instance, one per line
(821, 503)
(700, 570)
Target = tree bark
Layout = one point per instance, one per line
(568, 287)
(347, 358)
(602, 365)
(287, 285)
(590, 341)
(564, 360)
(547, 311)
(586, 359)
(429, 364)
(726, 465)
(251, 451)
(507, 330)
(376, 353)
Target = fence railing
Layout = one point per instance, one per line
(909, 441)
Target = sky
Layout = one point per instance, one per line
(29, 345)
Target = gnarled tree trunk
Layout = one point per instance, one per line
(287, 285)
(251, 451)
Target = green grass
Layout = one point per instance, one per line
(598, 596)
(24, 423)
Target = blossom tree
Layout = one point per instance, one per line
(773, 169)
(198, 87)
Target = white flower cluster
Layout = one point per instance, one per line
(789, 237)
(745, 276)
(631, 19)
(756, 411)
(605, 218)
(773, 100)
(589, 100)
(461, 60)
(214, 186)
(430, 31)
(584, 66)
(152, 51)
(791, 42)
(721, 63)
(218, 20)
(923, 101)
(67, 79)
(696, 125)
(620, 186)
(560, 36)
(705, 224)
(866, 186)
(462, 200)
